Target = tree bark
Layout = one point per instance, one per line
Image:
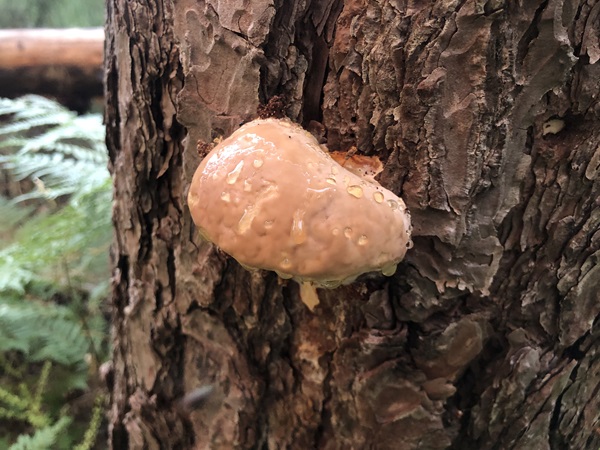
(486, 116)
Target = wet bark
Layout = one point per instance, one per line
(486, 116)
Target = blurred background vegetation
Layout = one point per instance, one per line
(55, 233)
(51, 13)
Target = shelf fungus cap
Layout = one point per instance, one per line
(272, 198)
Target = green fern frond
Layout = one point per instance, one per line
(36, 404)
(12, 214)
(12, 276)
(65, 158)
(82, 132)
(55, 246)
(14, 402)
(43, 332)
(31, 111)
(53, 174)
(14, 408)
(43, 140)
(71, 244)
(44, 438)
(30, 106)
(90, 435)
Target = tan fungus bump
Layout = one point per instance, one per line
(289, 211)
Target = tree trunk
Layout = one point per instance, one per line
(487, 119)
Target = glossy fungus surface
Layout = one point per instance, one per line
(272, 198)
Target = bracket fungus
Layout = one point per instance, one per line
(271, 197)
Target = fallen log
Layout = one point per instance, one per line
(66, 64)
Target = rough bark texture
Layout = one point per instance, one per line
(486, 115)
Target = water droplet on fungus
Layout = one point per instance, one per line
(331, 180)
(390, 270)
(235, 173)
(363, 240)
(246, 220)
(378, 196)
(268, 224)
(348, 232)
(225, 197)
(257, 163)
(265, 195)
(393, 204)
(298, 232)
(355, 191)
(285, 263)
